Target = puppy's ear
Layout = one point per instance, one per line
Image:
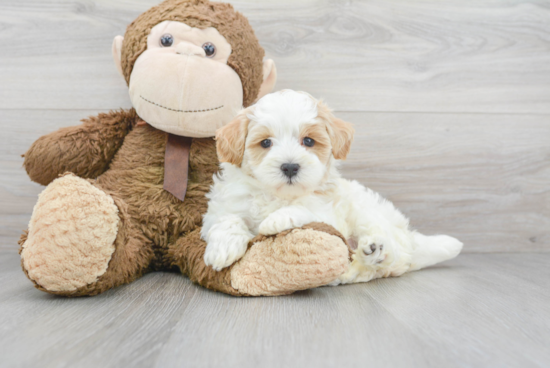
(230, 139)
(339, 131)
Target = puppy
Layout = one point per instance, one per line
(279, 171)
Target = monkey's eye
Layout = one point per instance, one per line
(167, 40)
(308, 142)
(209, 49)
(266, 143)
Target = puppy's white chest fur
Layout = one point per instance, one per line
(236, 194)
(261, 206)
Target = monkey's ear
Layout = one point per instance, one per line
(270, 78)
(117, 53)
(231, 138)
(339, 131)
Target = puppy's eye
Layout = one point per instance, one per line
(308, 142)
(209, 49)
(266, 143)
(167, 40)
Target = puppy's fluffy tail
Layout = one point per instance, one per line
(433, 249)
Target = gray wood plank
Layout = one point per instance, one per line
(482, 178)
(56, 332)
(478, 310)
(488, 56)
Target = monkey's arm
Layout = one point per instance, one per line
(85, 150)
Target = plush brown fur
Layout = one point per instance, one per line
(125, 160)
(246, 58)
(156, 230)
(84, 150)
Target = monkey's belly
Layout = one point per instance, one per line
(136, 176)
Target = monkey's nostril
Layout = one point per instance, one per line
(290, 170)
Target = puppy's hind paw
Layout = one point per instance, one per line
(372, 251)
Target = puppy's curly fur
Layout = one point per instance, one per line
(280, 171)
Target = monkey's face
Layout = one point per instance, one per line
(182, 84)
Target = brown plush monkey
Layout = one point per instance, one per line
(126, 190)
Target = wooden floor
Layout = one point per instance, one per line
(479, 310)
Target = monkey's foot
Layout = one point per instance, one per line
(71, 235)
(297, 259)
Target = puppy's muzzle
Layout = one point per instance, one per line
(290, 170)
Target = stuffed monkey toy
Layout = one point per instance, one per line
(126, 190)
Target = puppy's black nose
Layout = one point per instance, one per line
(290, 170)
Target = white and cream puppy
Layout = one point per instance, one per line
(279, 171)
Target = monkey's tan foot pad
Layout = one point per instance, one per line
(71, 235)
(298, 259)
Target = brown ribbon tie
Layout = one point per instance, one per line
(176, 165)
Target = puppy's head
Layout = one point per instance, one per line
(287, 141)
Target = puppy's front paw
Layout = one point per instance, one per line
(373, 250)
(225, 249)
(275, 223)
(282, 220)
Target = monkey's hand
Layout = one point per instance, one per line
(85, 150)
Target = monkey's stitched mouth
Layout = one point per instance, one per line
(184, 111)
